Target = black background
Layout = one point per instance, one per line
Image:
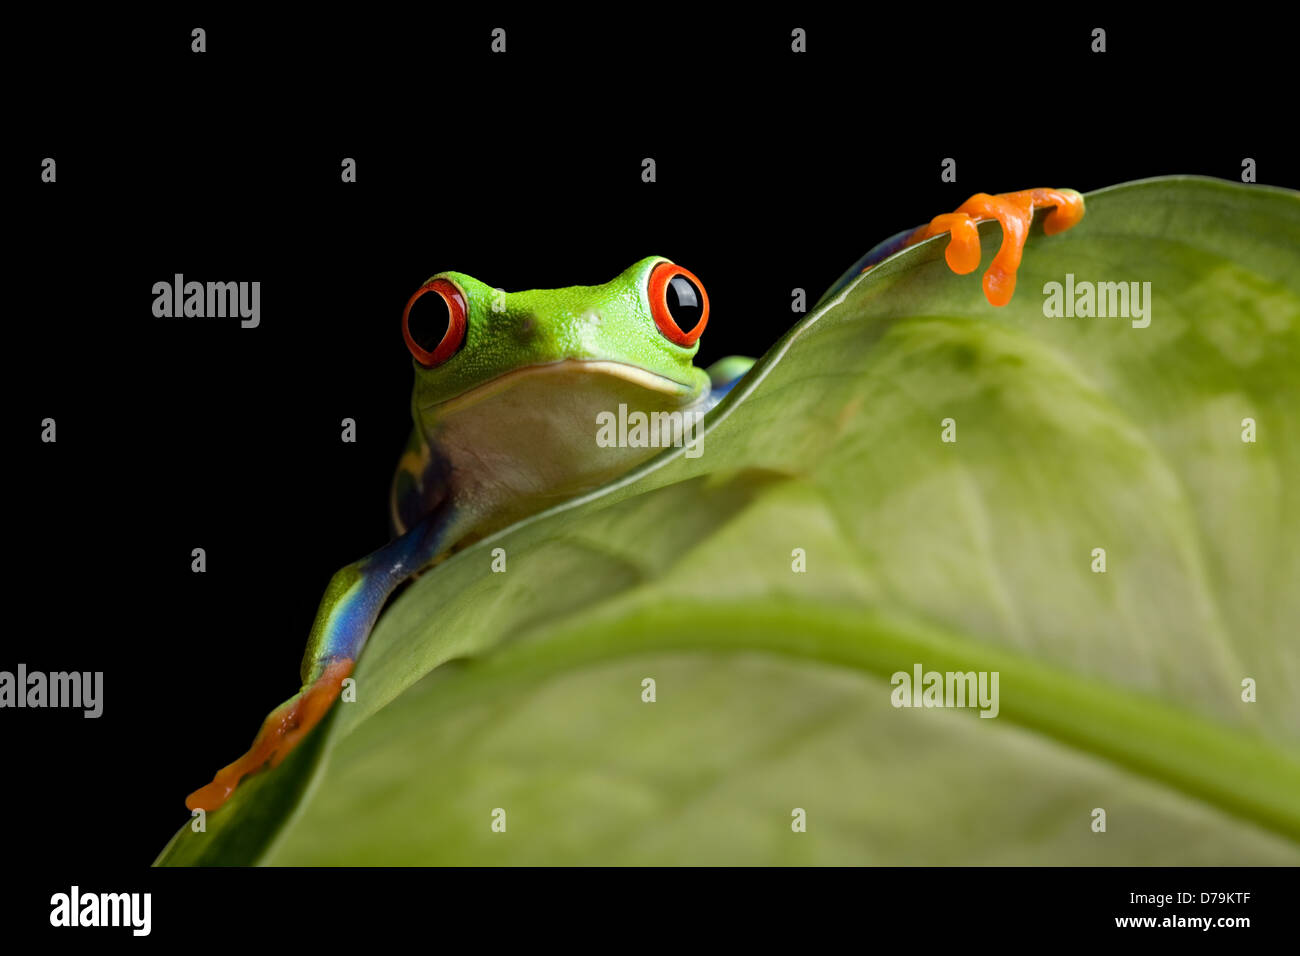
(774, 171)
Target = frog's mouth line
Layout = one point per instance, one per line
(650, 381)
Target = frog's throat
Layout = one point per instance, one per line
(651, 381)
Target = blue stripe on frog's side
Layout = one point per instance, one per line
(723, 376)
(357, 593)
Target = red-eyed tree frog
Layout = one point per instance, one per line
(508, 392)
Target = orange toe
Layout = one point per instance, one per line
(1014, 212)
(282, 730)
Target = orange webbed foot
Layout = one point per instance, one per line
(282, 730)
(1015, 212)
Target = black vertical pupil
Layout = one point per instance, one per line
(685, 302)
(428, 320)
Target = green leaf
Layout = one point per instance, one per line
(1119, 690)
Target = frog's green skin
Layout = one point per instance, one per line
(507, 427)
(504, 428)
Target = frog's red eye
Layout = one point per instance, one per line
(433, 322)
(677, 301)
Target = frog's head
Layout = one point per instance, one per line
(636, 334)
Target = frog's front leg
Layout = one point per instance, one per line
(1015, 212)
(343, 622)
